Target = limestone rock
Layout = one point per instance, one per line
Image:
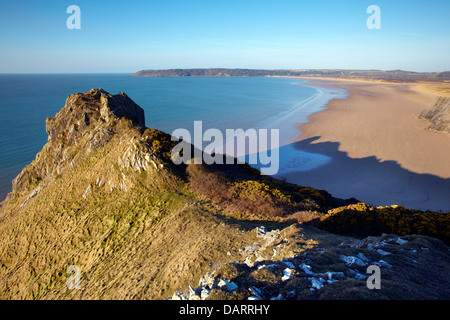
(86, 123)
(438, 113)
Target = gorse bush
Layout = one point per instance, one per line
(246, 197)
(254, 190)
(161, 143)
(238, 191)
(362, 220)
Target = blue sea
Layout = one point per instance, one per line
(26, 100)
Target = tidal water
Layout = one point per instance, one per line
(26, 100)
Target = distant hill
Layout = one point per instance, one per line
(392, 75)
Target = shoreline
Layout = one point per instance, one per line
(379, 150)
(288, 120)
(300, 114)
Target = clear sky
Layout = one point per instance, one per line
(127, 36)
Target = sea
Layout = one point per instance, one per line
(26, 100)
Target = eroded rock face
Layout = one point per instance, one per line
(438, 112)
(83, 110)
(86, 123)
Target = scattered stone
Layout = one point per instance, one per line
(254, 253)
(360, 276)
(362, 257)
(289, 264)
(316, 284)
(248, 261)
(269, 237)
(383, 253)
(207, 281)
(259, 259)
(383, 264)
(261, 231)
(331, 274)
(227, 285)
(279, 297)
(288, 274)
(357, 275)
(401, 241)
(275, 252)
(256, 293)
(205, 294)
(250, 249)
(179, 296)
(306, 268)
(192, 295)
(350, 260)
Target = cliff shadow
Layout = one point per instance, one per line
(376, 182)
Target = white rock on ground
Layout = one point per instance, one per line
(316, 283)
(350, 260)
(288, 274)
(227, 285)
(382, 252)
(306, 268)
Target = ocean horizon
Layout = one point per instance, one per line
(26, 100)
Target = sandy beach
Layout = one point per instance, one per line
(381, 153)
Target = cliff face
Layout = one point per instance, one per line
(438, 113)
(82, 111)
(86, 123)
(86, 199)
(104, 196)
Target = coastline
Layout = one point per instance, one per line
(300, 114)
(290, 158)
(379, 150)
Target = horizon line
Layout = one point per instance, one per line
(208, 68)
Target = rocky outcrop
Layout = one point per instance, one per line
(438, 113)
(86, 123)
(84, 110)
(104, 195)
(338, 272)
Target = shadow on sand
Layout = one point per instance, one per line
(378, 183)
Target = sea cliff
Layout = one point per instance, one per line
(104, 197)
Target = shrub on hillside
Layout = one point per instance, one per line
(362, 220)
(160, 143)
(258, 198)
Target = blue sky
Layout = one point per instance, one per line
(127, 36)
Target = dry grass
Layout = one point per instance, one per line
(144, 234)
(439, 88)
(135, 235)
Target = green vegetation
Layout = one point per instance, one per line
(112, 202)
(362, 220)
(161, 143)
(246, 194)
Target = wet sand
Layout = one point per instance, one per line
(381, 153)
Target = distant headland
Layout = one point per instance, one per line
(391, 75)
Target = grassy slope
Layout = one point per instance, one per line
(141, 234)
